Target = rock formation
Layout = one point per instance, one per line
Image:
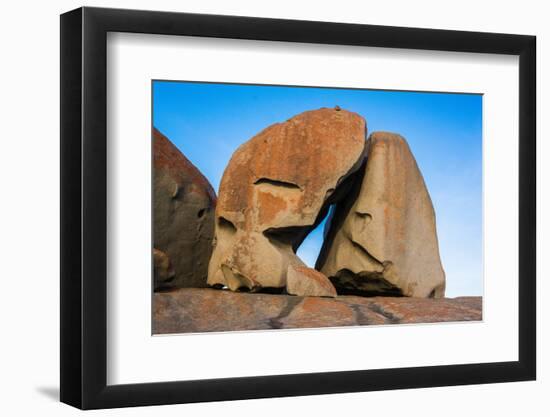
(207, 310)
(163, 271)
(302, 280)
(382, 239)
(276, 188)
(183, 216)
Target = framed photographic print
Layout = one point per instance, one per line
(258, 207)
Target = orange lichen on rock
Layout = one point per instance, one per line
(383, 239)
(303, 280)
(276, 188)
(206, 310)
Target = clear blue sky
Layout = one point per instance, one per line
(207, 122)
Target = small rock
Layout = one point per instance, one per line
(305, 281)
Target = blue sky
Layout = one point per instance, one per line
(207, 122)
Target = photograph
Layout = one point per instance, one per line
(271, 209)
(345, 207)
(300, 207)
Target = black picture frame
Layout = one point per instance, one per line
(84, 207)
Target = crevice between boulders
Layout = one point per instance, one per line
(292, 303)
(390, 318)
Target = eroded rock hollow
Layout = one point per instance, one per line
(184, 204)
(276, 188)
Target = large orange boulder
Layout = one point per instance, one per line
(276, 188)
(183, 217)
(382, 239)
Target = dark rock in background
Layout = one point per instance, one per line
(163, 271)
(208, 310)
(183, 215)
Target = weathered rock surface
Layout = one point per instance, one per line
(183, 213)
(382, 239)
(163, 271)
(208, 310)
(276, 188)
(302, 280)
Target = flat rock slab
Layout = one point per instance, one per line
(194, 310)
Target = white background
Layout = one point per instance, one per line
(29, 213)
(133, 60)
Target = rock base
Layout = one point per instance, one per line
(192, 310)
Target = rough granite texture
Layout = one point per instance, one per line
(382, 239)
(209, 310)
(183, 224)
(276, 188)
